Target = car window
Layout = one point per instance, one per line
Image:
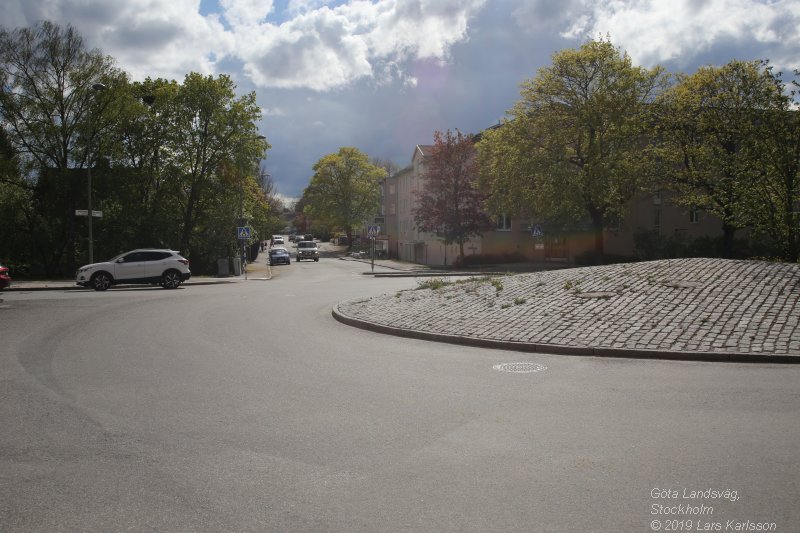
(155, 256)
(135, 257)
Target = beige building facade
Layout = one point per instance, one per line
(523, 239)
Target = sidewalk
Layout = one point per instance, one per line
(699, 309)
(258, 269)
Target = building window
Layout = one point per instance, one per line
(391, 189)
(657, 198)
(694, 215)
(657, 217)
(503, 223)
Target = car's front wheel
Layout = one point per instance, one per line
(171, 279)
(101, 281)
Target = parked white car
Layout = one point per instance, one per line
(167, 268)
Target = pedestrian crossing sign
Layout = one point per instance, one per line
(243, 232)
(536, 231)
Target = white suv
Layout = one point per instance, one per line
(165, 267)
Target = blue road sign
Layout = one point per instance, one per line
(536, 231)
(372, 231)
(243, 232)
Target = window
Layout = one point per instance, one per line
(503, 223)
(135, 257)
(694, 215)
(657, 217)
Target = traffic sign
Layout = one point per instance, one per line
(372, 231)
(536, 231)
(243, 232)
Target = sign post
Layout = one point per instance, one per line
(372, 232)
(538, 234)
(243, 233)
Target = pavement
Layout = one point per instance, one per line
(691, 309)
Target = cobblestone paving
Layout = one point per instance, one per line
(681, 305)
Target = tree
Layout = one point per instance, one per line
(54, 120)
(451, 203)
(775, 199)
(708, 124)
(573, 144)
(344, 191)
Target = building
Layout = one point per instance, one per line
(517, 238)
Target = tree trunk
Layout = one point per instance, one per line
(728, 234)
(599, 244)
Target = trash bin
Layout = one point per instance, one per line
(222, 267)
(237, 266)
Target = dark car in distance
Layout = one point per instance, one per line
(278, 255)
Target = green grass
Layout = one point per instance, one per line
(433, 284)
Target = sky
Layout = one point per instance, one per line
(384, 75)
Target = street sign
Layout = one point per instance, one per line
(373, 231)
(85, 213)
(243, 232)
(536, 231)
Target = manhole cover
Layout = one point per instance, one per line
(519, 368)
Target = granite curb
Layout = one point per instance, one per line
(532, 347)
(688, 309)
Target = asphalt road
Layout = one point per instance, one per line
(247, 407)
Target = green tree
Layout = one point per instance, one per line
(775, 199)
(571, 150)
(55, 121)
(707, 124)
(451, 202)
(344, 191)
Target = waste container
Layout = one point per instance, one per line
(237, 266)
(222, 267)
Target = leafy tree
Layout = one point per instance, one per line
(572, 147)
(451, 203)
(707, 124)
(344, 191)
(54, 120)
(773, 202)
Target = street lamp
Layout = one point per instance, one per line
(95, 87)
(241, 212)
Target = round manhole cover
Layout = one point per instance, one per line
(519, 368)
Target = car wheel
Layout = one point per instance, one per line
(101, 281)
(316, 260)
(171, 279)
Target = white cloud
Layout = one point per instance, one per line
(166, 38)
(245, 12)
(320, 47)
(654, 31)
(326, 48)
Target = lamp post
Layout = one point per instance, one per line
(241, 214)
(95, 87)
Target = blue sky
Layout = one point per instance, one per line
(384, 75)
